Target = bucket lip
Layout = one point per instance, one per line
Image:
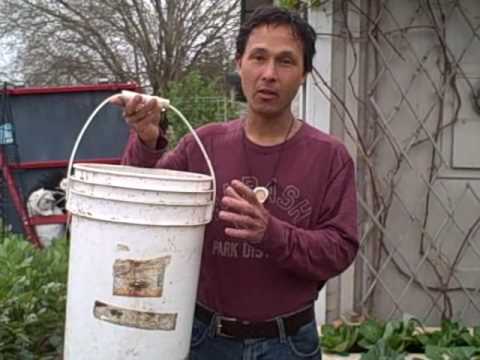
(116, 221)
(119, 186)
(150, 203)
(113, 170)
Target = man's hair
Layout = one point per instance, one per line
(272, 15)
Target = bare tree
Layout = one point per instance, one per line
(149, 41)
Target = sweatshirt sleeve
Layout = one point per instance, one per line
(136, 153)
(330, 246)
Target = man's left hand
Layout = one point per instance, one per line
(242, 209)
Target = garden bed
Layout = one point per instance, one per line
(400, 340)
(358, 356)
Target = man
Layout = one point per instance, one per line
(263, 264)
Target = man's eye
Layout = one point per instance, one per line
(258, 57)
(286, 61)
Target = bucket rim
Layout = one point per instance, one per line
(153, 203)
(116, 221)
(110, 169)
(119, 186)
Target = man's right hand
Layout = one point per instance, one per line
(143, 114)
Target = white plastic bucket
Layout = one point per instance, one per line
(135, 248)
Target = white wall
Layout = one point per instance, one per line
(314, 103)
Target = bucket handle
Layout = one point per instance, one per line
(165, 104)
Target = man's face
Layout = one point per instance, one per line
(271, 69)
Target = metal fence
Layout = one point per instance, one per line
(202, 110)
(208, 109)
(413, 72)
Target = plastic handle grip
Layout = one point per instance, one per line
(164, 103)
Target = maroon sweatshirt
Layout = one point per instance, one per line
(312, 233)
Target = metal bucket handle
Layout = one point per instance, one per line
(166, 104)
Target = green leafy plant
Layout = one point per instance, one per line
(382, 351)
(452, 341)
(400, 335)
(450, 334)
(371, 332)
(32, 299)
(454, 353)
(201, 100)
(296, 4)
(340, 339)
(394, 339)
(474, 338)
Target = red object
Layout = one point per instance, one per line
(18, 201)
(71, 89)
(59, 163)
(47, 220)
(7, 169)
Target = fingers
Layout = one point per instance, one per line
(239, 206)
(132, 105)
(243, 234)
(245, 192)
(239, 198)
(239, 220)
(124, 101)
(230, 191)
(143, 113)
(138, 108)
(136, 111)
(244, 212)
(118, 99)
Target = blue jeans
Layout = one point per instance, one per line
(206, 345)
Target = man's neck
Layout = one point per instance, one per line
(269, 131)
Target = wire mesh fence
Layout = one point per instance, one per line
(202, 110)
(208, 109)
(415, 76)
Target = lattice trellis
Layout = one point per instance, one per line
(419, 176)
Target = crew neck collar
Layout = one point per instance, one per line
(271, 148)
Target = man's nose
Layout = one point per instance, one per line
(269, 71)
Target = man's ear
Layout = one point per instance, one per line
(304, 79)
(238, 64)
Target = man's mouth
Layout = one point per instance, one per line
(267, 94)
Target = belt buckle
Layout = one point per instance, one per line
(219, 325)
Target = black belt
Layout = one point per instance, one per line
(231, 327)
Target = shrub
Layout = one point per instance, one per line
(32, 299)
(201, 100)
(394, 339)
